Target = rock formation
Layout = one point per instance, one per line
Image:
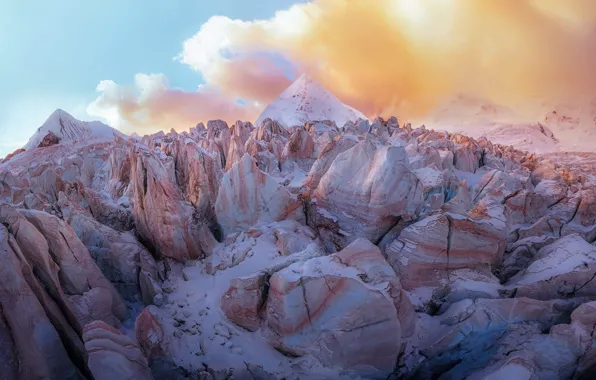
(372, 250)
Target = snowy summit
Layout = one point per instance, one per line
(307, 100)
(68, 129)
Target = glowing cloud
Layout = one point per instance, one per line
(381, 57)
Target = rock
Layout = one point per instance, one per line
(49, 139)
(427, 251)
(31, 345)
(122, 259)
(150, 334)
(113, 355)
(244, 299)
(92, 296)
(11, 155)
(306, 313)
(64, 267)
(180, 228)
(565, 268)
(326, 157)
(300, 148)
(247, 197)
(292, 238)
(471, 333)
(198, 174)
(368, 189)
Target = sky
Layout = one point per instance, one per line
(144, 66)
(54, 54)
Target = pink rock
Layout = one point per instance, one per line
(243, 301)
(294, 238)
(150, 334)
(113, 355)
(248, 196)
(428, 250)
(326, 306)
(11, 155)
(49, 140)
(198, 174)
(31, 348)
(564, 268)
(368, 189)
(242, 129)
(90, 294)
(326, 157)
(121, 258)
(300, 148)
(267, 129)
(235, 153)
(156, 198)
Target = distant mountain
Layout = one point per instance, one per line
(478, 117)
(62, 127)
(307, 100)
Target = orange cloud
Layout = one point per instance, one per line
(387, 56)
(151, 105)
(384, 55)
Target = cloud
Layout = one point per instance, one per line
(384, 55)
(152, 105)
(381, 57)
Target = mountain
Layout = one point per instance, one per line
(66, 128)
(307, 100)
(478, 117)
(447, 252)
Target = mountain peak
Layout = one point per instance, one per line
(307, 100)
(66, 128)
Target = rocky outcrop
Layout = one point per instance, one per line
(198, 174)
(385, 251)
(121, 258)
(244, 300)
(427, 251)
(64, 267)
(150, 334)
(49, 139)
(368, 189)
(182, 233)
(308, 313)
(31, 343)
(247, 196)
(326, 157)
(563, 269)
(471, 333)
(113, 355)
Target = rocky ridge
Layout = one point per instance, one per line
(374, 251)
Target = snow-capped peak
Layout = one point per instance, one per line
(307, 100)
(68, 129)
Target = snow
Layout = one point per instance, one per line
(306, 100)
(199, 330)
(69, 129)
(511, 371)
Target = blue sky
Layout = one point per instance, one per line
(53, 54)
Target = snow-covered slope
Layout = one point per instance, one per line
(477, 117)
(69, 129)
(307, 100)
(574, 123)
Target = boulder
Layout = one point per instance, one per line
(368, 189)
(113, 355)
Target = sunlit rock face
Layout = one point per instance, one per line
(315, 250)
(247, 196)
